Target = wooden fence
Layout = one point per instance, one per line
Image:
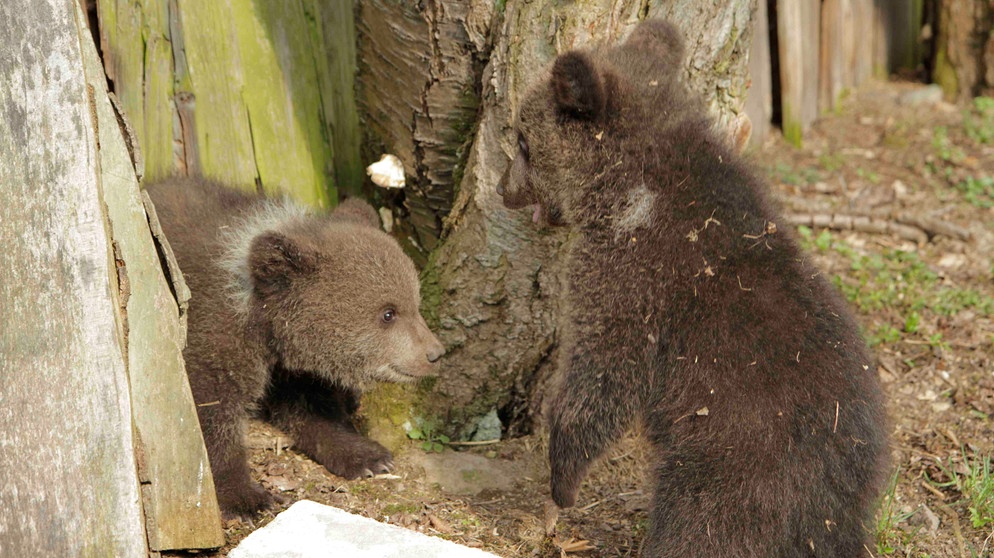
(807, 54)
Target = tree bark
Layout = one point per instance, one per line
(490, 287)
(964, 49)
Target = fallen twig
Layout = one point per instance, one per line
(957, 530)
(473, 443)
(907, 226)
(938, 493)
(859, 223)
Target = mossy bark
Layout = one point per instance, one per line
(964, 49)
(491, 284)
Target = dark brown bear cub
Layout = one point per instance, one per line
(686, 308)
(291, 314)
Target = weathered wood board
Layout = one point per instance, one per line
(798, 30)
(252, 93)
(832, 78)
(143, 77)
(759, 99)
(177, 487)
(865, 29)
(69, 484)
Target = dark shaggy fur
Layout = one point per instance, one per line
(686, 308)
(291, 314)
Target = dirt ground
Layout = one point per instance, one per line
(923, 287)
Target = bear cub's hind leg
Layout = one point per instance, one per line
(223, 426)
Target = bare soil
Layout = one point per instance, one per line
(879, 155)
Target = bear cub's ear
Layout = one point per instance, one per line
(577, 87)
(274, 259)
(355, 210)
(660, 36)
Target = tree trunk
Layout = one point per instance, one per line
(490, 287)
(964, 49)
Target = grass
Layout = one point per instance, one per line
(786, 174)
(975, 484)
(978, 121)
(944, 147)
(888, 536)
(408, 508)
(979, 191)
(831, 162)
(897, 283)
(873, 177)
(978, 124)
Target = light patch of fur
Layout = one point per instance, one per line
(273, 215)
(637, 211)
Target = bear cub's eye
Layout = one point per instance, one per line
(522, 145)
(389, 315)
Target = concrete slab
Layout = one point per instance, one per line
(311, 530)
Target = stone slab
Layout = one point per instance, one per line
(311, 530)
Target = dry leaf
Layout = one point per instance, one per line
(572, 545)
(439, 525)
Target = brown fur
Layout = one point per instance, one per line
(287, 317)
(685, 309)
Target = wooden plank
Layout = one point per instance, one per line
(250, 70)
(864, 29)
(853, 45)
(71, 486)
(759, 99)
(180, 507)
(842, 49)
(336, 40)
(243, 91)
(138, 59)
(831, 77)
(798, 30)
(882, 36)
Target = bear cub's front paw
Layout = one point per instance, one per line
(357, 458)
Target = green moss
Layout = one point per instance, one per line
(431, 291)
(391, 509)
(723, 60)
(262, 122)
(944, 74)
(791, 125)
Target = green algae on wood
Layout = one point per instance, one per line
(253, 94)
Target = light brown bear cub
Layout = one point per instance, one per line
(688, 310)
(291, 315)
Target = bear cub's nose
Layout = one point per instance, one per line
(436, 352)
